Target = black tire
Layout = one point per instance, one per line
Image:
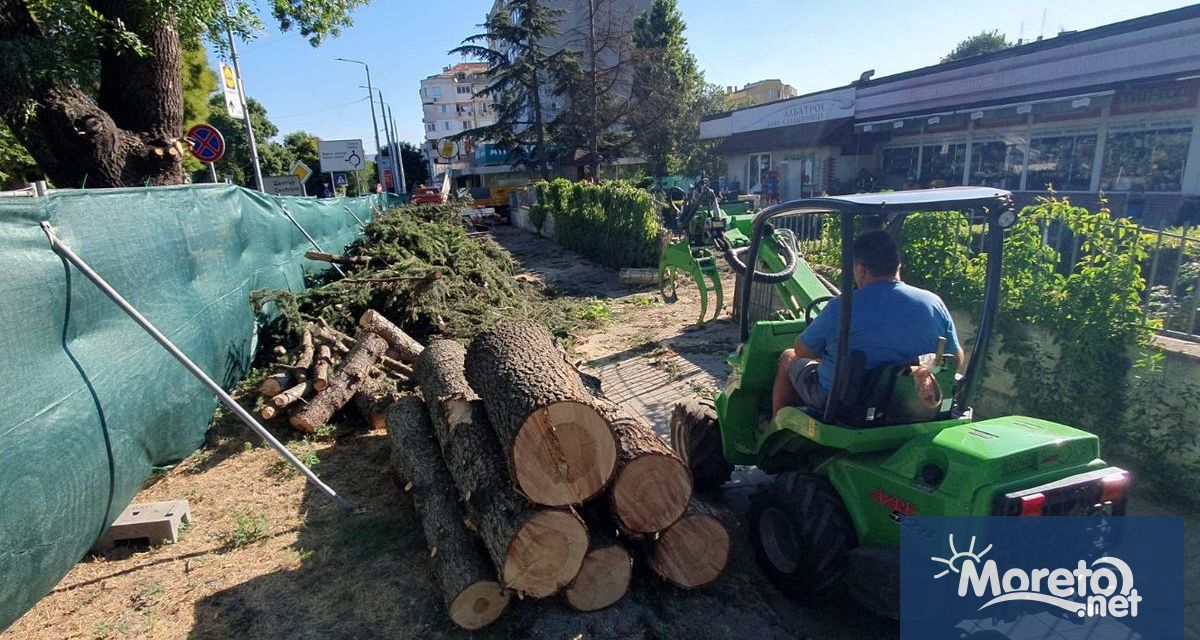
(696, 437)
(801, 533)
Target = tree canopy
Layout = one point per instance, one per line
(978, 44)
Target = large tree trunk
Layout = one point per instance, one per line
(537, 551)
(128, 135)
(651, 486)
(461, 565)
(560, 449)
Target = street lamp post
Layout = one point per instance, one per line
(399, 155)
(374, 122)
(392, 150)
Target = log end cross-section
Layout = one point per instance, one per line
(563, 454)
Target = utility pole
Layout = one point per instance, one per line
(237, 72)
(392, 151)
(374, 122)
(399, 155)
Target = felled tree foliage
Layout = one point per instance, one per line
(476, 287)
(612, 223)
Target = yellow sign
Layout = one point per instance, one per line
(233, 103)
(301, 170)
(227, 74)
(447, 148)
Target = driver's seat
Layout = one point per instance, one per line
(887, 394)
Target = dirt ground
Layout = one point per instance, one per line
(267, 557)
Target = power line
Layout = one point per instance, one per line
(309, 113)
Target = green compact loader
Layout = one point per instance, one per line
(845, 477)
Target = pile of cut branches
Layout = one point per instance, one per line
(423, 269)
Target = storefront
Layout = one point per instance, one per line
(1107, 113)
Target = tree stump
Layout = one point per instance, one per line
(560, 449)
(536, 551)
(473, 596)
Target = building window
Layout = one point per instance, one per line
(899, 167)
(443, 108)
(437, 92)
(463, 89)
(942, 164)
(1064, 162)
(1145, 160)
(757, 165)
(466, 124)
(446, 125)
(431, 127)
(998, 163)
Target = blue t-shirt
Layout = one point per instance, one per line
(892, 322)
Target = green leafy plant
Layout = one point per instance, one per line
(612, 223)
(247, 528)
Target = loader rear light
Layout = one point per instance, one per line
(1032, 505)
(1112, 487)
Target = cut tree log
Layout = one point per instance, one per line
(638, 276)
(604, 577)
(692, 552)
(321, 256)
(407, 349)
(372, 401)
(267, 412)
(560, 449)
(276, 383)
(304, 360)
(292, 394)
(461, 566)
(320, 373)
(350, 373)
(536, 551)
(342, 343)
(651, 486)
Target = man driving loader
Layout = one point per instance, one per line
(891, 322)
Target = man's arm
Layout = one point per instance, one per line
(803, 351)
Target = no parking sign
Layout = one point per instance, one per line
(206, 143)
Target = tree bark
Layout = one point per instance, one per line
(372, 401)
(536, 551)
(464, 573)
(651, 486)
(276, 383)
(560, 450)
(76, 141)
(345, 380)
(692, 552)
(406, 347)
(320, 372)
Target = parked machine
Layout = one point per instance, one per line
(845, 476)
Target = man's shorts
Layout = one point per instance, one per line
(806, 382)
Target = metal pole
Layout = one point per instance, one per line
(212, 171)
(374, 122)
(350, 211)
(399, 156)
(387, 132)
(237, 72)
(310, 238)
(65, 252)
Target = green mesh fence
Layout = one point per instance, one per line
(90, 402)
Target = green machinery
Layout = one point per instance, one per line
(845, 475)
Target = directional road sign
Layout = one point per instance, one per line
(206, 142)
(283, 185)
(341, 155)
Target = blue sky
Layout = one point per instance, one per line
(810, 45)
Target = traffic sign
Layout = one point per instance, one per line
(283, 185)
(206, 142)
(233, 102)
(301, 170)
(341, 155)
(447, 148)
(340, 180)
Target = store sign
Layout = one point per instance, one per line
(830, 105)
(1159, 97)
(487, 155)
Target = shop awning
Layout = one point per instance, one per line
(812, 134)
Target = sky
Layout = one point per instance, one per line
(810, 45)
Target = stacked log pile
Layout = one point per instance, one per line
(556, 482)
(332, 370)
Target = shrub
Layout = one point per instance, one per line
(611, 223)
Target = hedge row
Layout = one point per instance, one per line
(612, 223)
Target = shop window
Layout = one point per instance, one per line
(757, 166)
(1145, 160)
(942, 164)
(1064, 162)
(997, 164)
(899, 167)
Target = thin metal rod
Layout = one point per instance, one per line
(65, 252)
(1175, 281)
(241, 91)
(361, 224)
(1153, 273)
(310, 238)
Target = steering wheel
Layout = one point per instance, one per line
(813, 305)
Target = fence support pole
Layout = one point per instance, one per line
(65, 252)
(361, 225)
(310, 238)
(1153, 274)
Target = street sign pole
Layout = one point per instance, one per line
(212, 171)
(374, 122)
(237, 72)
(399, 158)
